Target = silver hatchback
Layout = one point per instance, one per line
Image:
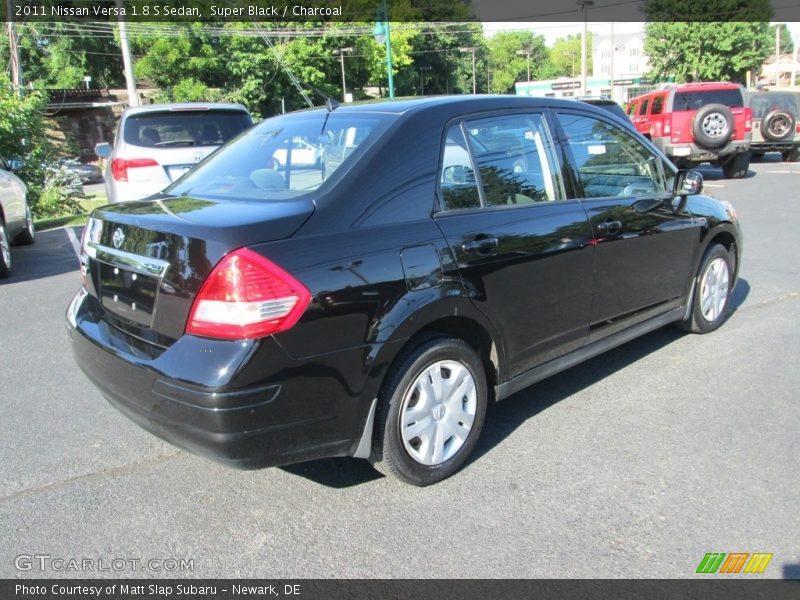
(156, 144)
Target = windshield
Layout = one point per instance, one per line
(283, 157)
(181, 128)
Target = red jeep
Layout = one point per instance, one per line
(694, 123)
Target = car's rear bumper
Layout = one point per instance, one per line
(781, 146)
(693, 152)
(215, 399)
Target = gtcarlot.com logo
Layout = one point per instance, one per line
(734, 562)
(46, 562)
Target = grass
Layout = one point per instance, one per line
(87, 205)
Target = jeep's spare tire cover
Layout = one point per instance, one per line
(777, 125)
(712, 125)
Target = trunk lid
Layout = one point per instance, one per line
(145, 261)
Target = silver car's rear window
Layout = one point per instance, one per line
(283, 157)
(181, 128)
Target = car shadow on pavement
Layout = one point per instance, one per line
(52, 254)
(739, 294)
(710, 173)
(791, 571)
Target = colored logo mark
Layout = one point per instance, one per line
(734, 562)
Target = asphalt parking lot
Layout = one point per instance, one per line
(634, 464)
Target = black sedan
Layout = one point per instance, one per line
(461, 249)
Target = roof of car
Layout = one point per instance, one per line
(468, 101)
(179, 106)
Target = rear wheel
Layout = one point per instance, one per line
(712, 291)
(792, 155)
(5, 251)
(737, 166)
(431, 412)
(27, 235)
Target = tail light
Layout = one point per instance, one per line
(667, 130)
(247, 296)
(91, 233)
(748, 120)
(797, 128)
(120, 166)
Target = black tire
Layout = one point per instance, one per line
(792, 155)
(777, 125)
(399, 396)
(712, 125)
(702, 319)
(736, 167)
(5, 251)
(28, 235)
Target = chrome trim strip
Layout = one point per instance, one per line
(155, 267)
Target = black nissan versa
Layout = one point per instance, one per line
(442, 254)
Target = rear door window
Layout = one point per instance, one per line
(182, 128)
(696, 99)
(645, 104)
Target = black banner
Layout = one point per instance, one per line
(300, 589)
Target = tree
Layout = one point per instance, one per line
(509, 66)
(565, 56)
(706, 48)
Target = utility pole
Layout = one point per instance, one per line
(382, 33)
(130, 80)
(526, 52)
(584, 4)
(16, 66)
(472, 50)
(341, 52)
(613, 52)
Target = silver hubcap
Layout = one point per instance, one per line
(715, 125)
(714, 289)
(5, 250)
(438, 411)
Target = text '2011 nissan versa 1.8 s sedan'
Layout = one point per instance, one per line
(442, 254)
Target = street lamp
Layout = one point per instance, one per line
(526, 52)
(584, 4)
(473, 51)
(572, 55)
(382, 35)
(341, 52)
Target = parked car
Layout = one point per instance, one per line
(606, 104)
(465, 248)
(776, 127)
(299, 153)
(156, 144)
(87, 173)
(693, 123)
(16, 219)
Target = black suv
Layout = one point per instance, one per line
(462, 249)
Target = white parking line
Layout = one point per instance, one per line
(76, 245)
(783, 171)
(717, 185)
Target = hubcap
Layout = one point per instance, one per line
(437, 412)
(715, 125)
(714, 289)
(779, 126)
(5, 249)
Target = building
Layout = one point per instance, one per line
(787, 70)
(621, 57)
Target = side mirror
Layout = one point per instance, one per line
(103, 149)
(15, 164)
(687, 183)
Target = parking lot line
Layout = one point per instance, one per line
(76, 245)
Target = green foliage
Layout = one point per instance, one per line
(507, 66)
(61, 193)
(705, 51)
(565, 57)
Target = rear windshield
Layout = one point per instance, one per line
(283, 157)
(697, 99)
(763, 104)
(182, 128)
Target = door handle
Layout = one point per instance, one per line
(481, 244)
(610, 227)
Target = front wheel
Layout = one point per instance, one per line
(5, 251)
(431, 412)
(712, 291)
(27, 235)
